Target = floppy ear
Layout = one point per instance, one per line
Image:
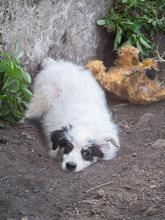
(113, 142)
(57, 137)
(109, 147)
(60, 137)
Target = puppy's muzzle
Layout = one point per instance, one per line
(71, 166)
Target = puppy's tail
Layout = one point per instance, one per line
(96, 67)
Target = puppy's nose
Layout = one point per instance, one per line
(71, 165)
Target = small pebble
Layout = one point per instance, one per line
(127, 187)
(100, 193)
(151, 211)
(36, 190)
(152, 186)
(159, 143)
(134, 154)
(24, 218)
(144, 119)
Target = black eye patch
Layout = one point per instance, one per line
(91, 152)
(68, 148)
(96, 152)
(86, 154)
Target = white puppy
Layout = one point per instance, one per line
(73, 112)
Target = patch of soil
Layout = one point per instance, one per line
(130, 187)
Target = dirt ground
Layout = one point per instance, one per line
(130, 187)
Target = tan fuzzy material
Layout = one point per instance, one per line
(127, 79)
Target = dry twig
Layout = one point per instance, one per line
(120, 105)
(159, 58)
(104, 184)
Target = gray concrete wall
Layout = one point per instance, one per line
(57, 28)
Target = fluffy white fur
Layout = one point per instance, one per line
(68, 95)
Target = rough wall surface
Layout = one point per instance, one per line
(57, 28)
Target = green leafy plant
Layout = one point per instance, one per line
(14, 93)
(135, 22)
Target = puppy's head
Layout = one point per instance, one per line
(80, 149)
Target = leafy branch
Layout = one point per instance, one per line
(135, 22)
(14, 93)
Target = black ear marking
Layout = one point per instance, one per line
(58, 137)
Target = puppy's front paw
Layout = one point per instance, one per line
(53, 153)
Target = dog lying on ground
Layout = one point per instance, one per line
(129, 79)
(75, 119)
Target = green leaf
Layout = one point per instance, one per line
(126, 43)
(3, 96)
(15, 88)
(15, 48)
(134, 37)
(111, 24)
(17, 114)
(138, 44)
(2, 125)
(127, 22)
(6, 75)
(11, 66)
(12, 121)
(26, 77)
(20, 108)
(7, 84)
(118, 37)
(113, 17)
(25, 104)
(19, 99)
(11, 102)
(27, 92)
(137, 26)
(101, 22)
(8, 71)
(7, 55)
(144, 43)
(16, 60)
(3, 67)
(4, 113)
(20, 55)
(13, 72)
(18, 93)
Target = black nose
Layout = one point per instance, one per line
(70, 165)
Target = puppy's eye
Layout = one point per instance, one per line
(87, 155)
(68, 148)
